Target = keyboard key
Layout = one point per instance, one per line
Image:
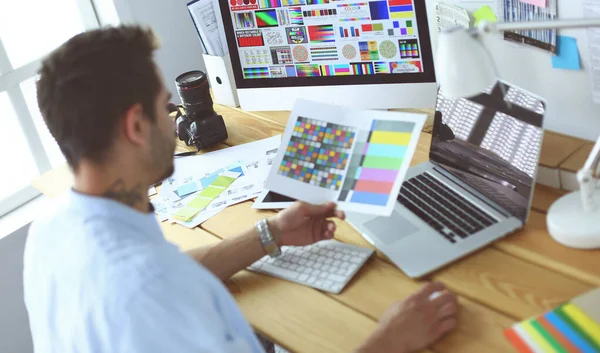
(280, 271)
(336, 277)
(303, 277)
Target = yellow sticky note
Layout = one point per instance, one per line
(485, 13)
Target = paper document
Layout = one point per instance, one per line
(449, 16)
(355, 158)
(202, 164)
(591, 9)
(206, 15)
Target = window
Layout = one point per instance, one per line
(28, 31)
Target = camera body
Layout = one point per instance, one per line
(199, 125)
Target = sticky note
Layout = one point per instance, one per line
(567, 56)
(187, 189)
(186, 213)
(540, 3)
(485, 13)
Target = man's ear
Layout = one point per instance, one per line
(134, 125)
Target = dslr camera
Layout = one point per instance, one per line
(200, 125)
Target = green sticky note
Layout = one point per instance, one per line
(485, 13)
(211, 192)
(199, 203)
(186, 213)
(223, 181)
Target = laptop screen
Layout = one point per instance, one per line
(492, 142)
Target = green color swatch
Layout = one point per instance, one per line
(199, 202)
(223, 181)
(382, 162)
(211, 192)
(186, 213)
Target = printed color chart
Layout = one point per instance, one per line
(355, 158)
(375, 163)
(317, 153)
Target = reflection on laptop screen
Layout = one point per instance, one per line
(491, 145)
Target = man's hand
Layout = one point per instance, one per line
(304, 224)
(416, 323)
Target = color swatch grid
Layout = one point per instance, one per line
(375, 164)
(409, 48)
(401, 29)
(565, 329)
(368, 50)
(317, 153)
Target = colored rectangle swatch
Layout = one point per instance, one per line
(565, 329)
(379, 10)
(381, 67)
(266, 18)
(335, 70)
(295, 14)
(307, 70)
(321, 34)
(362, 68)
(391, 138)
(250, 38)
(256, 72)
(317, 2)
(265, 4)
(325, 53)
(244, 20)
(369, 198)
(368, 50)
(376, 162)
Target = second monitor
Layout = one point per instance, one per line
(365, 54)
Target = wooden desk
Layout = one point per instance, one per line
(517, 277)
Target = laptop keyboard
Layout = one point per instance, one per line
(453, 216)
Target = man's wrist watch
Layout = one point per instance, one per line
(266, 238)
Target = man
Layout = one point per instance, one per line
(100, 277)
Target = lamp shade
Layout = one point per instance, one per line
(464, 68)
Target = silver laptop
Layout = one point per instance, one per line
(477, 186)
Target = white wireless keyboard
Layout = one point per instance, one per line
(327, 265)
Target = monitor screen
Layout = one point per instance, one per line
(280, 43)
(492, 146)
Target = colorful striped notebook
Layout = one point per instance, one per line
(571, 327)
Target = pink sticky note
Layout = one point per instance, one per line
(540, 3)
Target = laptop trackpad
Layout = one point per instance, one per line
(391, 229)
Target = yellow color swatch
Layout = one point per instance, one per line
(186, 213)
(391, 138)
(591, 327)
(537, 337)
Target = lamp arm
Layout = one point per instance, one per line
(490, 27)
(587, 178)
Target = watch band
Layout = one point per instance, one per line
(266, 238)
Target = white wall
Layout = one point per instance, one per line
(180, 50)
(571, 109)
(15, 336)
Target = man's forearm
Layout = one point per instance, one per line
(230, 255)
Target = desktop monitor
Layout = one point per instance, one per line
(365, 54)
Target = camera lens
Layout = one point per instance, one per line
(194, 92)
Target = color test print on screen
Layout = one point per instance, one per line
(311, 38)
(357, 159)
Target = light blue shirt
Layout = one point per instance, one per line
(100, 277)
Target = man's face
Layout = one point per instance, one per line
(163, 137)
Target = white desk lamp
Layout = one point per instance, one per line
(465, 68)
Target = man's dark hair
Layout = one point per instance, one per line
(87, 84)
